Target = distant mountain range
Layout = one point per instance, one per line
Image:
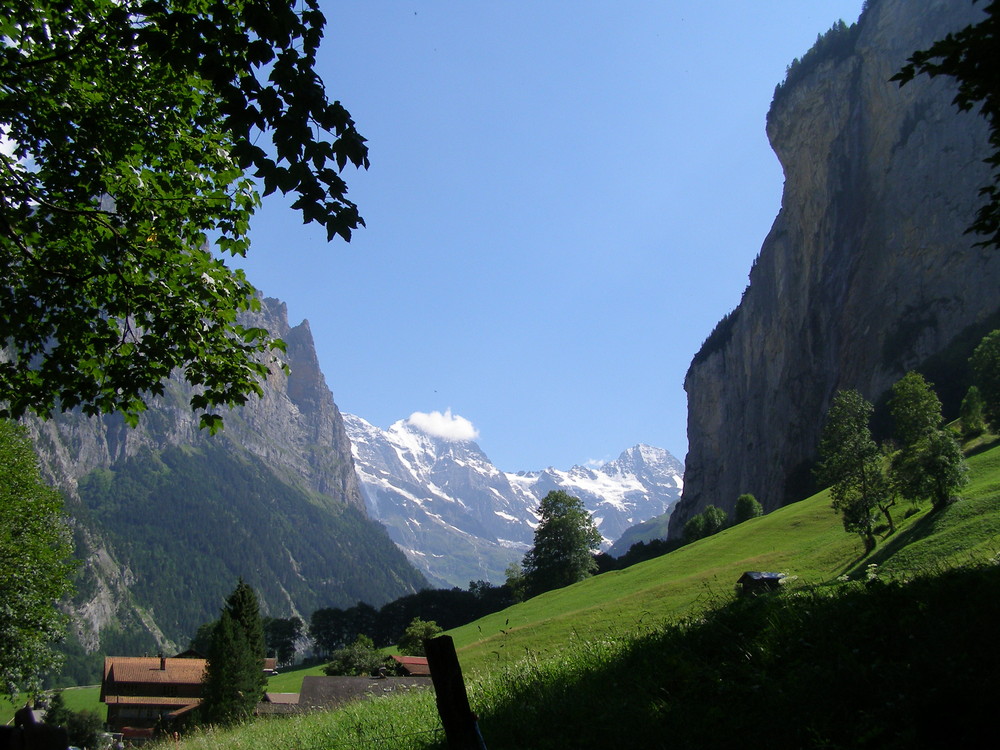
(296, 499)
(459, 518)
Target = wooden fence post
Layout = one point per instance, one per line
(452, 701)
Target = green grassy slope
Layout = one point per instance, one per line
(892, 663)
(804, 540)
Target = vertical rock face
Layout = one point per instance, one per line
(295, 427)
(277, 487)
(866, 272)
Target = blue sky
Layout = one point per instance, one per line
(564, 198)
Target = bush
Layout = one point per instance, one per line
(359, 659)
(747, 507)
(412, 642)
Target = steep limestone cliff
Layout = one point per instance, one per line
(141, 500)
(866, 272)
(295, 427)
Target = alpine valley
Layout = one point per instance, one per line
(167, 518)
(459, 518)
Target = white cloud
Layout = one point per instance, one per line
(446, 426)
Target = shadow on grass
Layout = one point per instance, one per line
(881, 666)
(922, 528)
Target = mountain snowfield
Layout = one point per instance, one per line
(459, 518)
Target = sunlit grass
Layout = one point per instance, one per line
(408, 721)
(529, 665)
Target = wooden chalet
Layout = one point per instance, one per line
(141, 691)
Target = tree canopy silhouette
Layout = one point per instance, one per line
(134, 143)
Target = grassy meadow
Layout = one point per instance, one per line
(663, 654)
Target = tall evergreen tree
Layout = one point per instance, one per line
(234, 678)
(242, 604)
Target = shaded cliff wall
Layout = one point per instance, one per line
(295, 429)
(866, 272)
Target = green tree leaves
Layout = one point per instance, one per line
(930, 461)
(747, 507)
(985, 363)
(418, 631)
(915, 408)
(134, 129)
(564, 538)
(35, 569)
(851, 463)
(358, 659)
(281, 635)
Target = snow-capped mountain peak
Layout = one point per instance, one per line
(459, 518)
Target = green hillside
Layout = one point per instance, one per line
(804, 540)
(190, 521)
(662, 654)
(550, 662)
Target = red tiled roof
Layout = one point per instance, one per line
(153, 669)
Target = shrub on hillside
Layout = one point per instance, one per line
(359, 659)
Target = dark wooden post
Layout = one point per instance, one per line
(452, 701)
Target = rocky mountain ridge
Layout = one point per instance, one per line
(459, 518)
(867, 271)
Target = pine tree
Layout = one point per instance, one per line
(234, 678)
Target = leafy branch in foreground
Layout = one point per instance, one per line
(128, 149)
(35, 565)
(969, 56)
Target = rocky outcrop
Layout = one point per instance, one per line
(295, 427)
(866, 272)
